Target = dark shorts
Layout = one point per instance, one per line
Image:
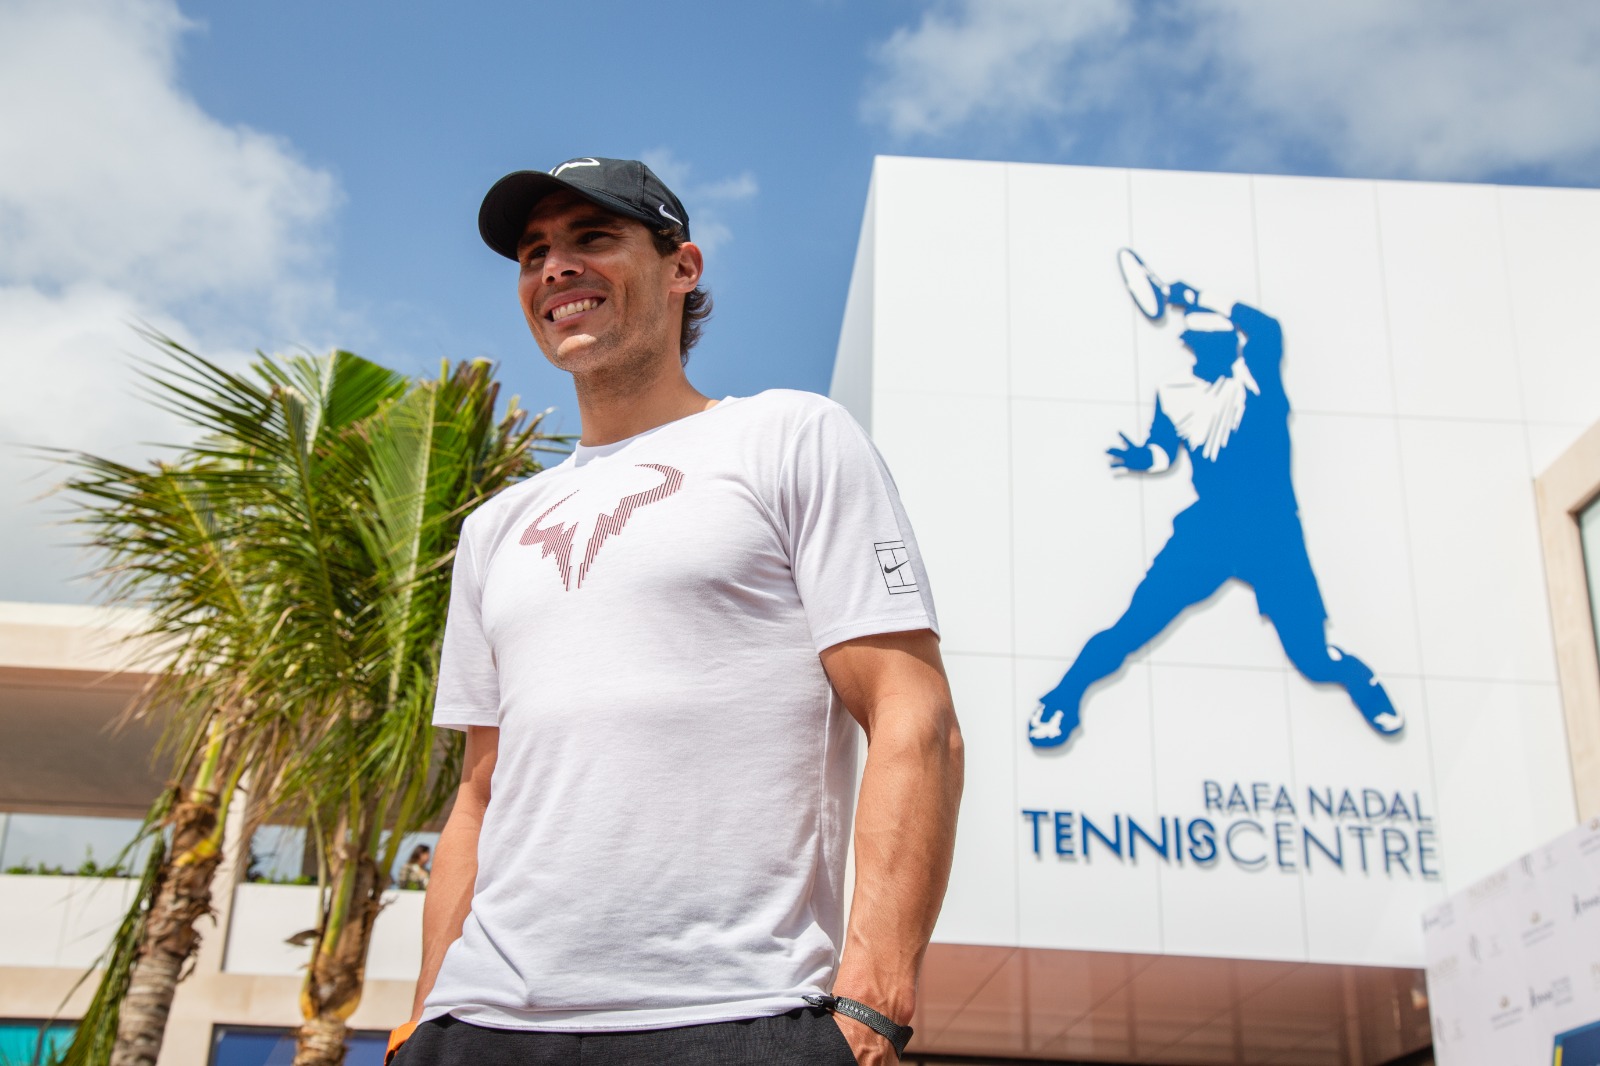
(802, 1037)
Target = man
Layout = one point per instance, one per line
(1231, 415)
(656, 649)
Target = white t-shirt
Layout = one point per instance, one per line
(670, 809)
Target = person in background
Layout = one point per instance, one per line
(414, 874)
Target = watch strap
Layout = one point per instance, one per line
(886, 1027)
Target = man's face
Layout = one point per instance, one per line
(596, 292)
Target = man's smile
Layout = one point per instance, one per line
(572, 307)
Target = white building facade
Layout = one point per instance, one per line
(1218, 803)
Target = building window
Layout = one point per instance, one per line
(67, 844)
(243, 1045)
(30, 1043)
(1589, 536)
(278, 855)
(1568, 498)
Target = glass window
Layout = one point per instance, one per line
(57, 843)
(277, 854)
(237, 1045)
(32, 1043)
(1589, 534)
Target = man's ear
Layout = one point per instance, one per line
(687, 266)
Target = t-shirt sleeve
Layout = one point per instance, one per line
(469, 687)
(854, 557)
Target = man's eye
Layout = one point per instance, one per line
(592, 236)
(533, 255)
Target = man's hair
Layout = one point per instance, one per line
(696, 305)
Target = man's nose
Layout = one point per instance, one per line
(561, 263)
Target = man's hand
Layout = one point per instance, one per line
(1183, 296)
(1131, 456)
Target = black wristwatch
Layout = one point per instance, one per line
(882, 1024)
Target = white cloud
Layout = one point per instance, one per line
(707, 201)
(1431, 88)
(112, 174)
(985, 60)
(69, 385)
(122, 201)
(1440, 88)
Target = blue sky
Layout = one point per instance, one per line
(299, 174)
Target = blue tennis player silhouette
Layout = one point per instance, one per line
(1231, 416)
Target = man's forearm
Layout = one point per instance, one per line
(455, 861)
(455, 869)
(905, 835)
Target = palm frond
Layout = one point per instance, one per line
(294, 561)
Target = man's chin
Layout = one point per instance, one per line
(573, 348)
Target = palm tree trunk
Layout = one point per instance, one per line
(332, 989)
(182, 898)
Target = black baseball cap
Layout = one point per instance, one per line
(625, 186)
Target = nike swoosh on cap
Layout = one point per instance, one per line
(586, 162)
(669, 214)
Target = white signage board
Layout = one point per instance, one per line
(1232, 536)
(1514, 960)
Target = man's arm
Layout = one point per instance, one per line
(455, 860)
(895, 686)
(1263, 344)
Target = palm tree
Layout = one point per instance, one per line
(374, 774)
(295, 564)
